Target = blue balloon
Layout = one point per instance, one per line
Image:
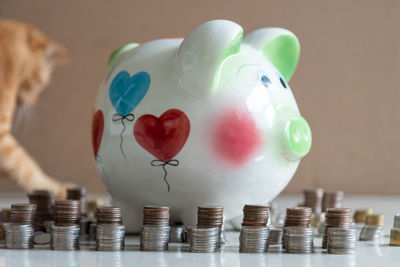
(126, 92)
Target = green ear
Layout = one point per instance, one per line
(119, 52)
(280, 46)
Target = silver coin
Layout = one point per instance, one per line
(299, 239)
(18, 236)
(341, 240)
(253, 239)
(64, 237)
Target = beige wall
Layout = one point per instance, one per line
(346, 83)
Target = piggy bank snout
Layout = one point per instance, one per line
(298, 139)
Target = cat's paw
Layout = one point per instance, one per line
(61, 190)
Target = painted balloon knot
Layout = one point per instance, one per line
(123, 118)
(172, 162)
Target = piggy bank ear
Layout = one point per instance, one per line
(200, 57)
(280, 46)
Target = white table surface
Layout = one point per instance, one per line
(368, 254)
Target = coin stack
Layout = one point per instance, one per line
(395, 232)
(275, 236)
(254, 233)
(78, 193)
(336, 218)
(361, 215)
(332, 200)
(296, 216)
(211, 217)
(177, 234)
(255, 215)
(110, 233)
(299, 239)
(253, 239)
(5, 217)
(18, 236)
(313, 199)
(154, 235)
(65, 230)
(372, 231)
(204, 239)
(42, 199)
(23, 213)
(341, 240)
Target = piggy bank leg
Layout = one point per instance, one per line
(132, 216)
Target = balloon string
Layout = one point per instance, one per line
(118, 117)
(172, 162)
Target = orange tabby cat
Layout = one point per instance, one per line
(27, 58)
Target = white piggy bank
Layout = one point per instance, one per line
(206, 119)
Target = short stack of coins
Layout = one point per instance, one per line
(299, 239)
(65, 231)
(110, 232)
(42, 199)
(78, 193)
(19, 232)
(313, 199)
(254, 232)
(332, 200)
(341, 240)
(372, 231)
(336, 218)
(395, 231)
(211, 217)
(296, 216)
(275, 235)
(360, 216)
(177, 234)
(5, 217)
(154, 235)
(204, 240)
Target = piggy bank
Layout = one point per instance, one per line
(205, 119)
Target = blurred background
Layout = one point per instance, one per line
(346, 83)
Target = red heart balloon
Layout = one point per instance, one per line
(165, 136)
(97, 130)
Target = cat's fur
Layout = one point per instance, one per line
(27, 58)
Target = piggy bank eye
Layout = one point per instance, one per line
(282, 82)
(265, 80)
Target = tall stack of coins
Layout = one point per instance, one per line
(204, 239)
(296, 216)
(19, 232)
(211, 217)
(65, 231)
(253, 239)
(154, 235)
(361, 215)
(341, 240)
(299, 239)
(42, 199)
(336, 218)
(372, 231)
(332, 200)
(78, 193)
(313, 199)
(110, 233)
(254, 233)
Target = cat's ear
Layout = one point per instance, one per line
(200, 56)
(280, 46)
(56, 53)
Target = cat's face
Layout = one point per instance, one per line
(42, 54)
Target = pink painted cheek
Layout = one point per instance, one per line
(235, 136)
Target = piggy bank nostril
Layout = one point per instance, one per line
(298, 137)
